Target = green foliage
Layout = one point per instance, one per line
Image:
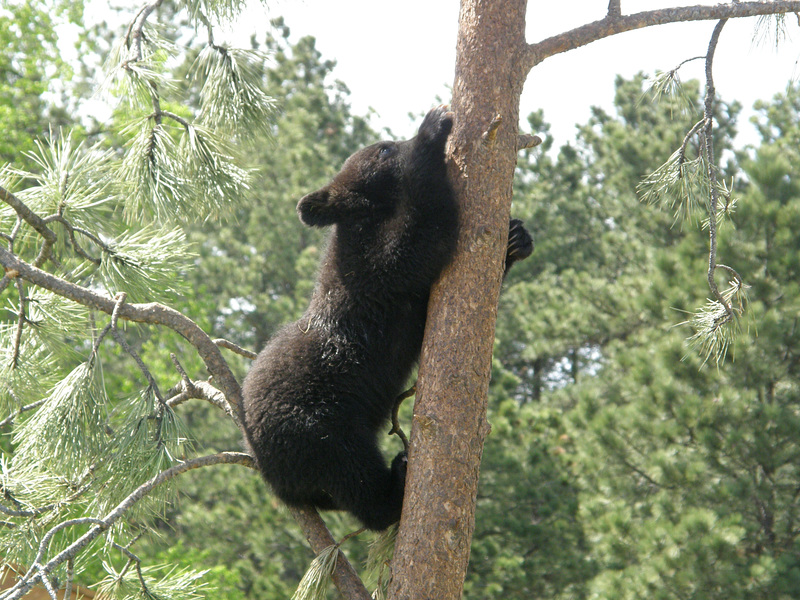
(229, 99)
(159, 581)
(29, 62)
(75, 408)
(677, 481)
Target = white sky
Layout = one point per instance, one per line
(397, 57)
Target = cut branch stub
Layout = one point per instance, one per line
(525, 141)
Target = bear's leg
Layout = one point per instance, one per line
(363, 485)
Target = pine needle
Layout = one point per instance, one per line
(377, 569)
(678, 185)
(716, 326)
(231, 98)
(315, 583)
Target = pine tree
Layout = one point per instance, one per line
(98, 230)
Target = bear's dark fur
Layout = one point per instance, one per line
(317, 395)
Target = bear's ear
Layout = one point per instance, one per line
(315, 209)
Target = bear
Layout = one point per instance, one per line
(318, 393)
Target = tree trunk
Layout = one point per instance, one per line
(450, 424)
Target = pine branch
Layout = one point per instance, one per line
(151, 313)
(345, 577)
(613, 24)
(39, 571)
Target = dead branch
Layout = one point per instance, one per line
(525, 141)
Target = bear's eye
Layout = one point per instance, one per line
(386, 151)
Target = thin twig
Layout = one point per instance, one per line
(682, 153)
(234, 348)
(350, 535)
(708, 149)
(188, 385)
(21, 318)
(202, 16)
(72, 230)
(133, 558)
(135, 35)
(10, 419)
(396, 429)
(179, 119)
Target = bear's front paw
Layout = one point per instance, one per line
(520, 242)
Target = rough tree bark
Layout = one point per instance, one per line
(450, 410)
(449, 426)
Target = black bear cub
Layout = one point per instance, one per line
(320, 391)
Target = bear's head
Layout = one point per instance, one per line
(374, 180)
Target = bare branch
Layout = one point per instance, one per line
(234, 348)
(10, 419)
(21, 318)
(525, 141)
(202, 390)
(613, 24)
(133, 558)
(72, 230)
(119, 303)
(396, 429)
